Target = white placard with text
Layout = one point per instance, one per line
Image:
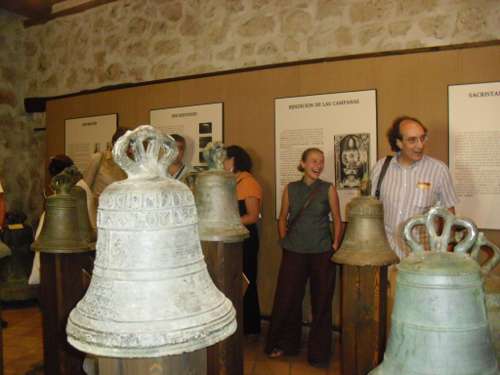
(198, 124)
(342, 124)
(474, 126)
(87, 135)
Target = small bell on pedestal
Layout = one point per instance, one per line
(150, 293)
(364, 255)
(216, 201)
(60, 232)
(439, 322)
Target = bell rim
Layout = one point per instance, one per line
(86, 247)
(219, 333)
(228, 236)
(351, 257)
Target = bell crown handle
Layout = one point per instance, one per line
(215, 154)
(493, 261)
(440, 242)
(145, 152)
(62, 183)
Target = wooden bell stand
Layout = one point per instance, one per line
(364, 316)
(62, 285)
(225, 266)
(194, 363)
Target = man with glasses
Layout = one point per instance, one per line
(413, 181)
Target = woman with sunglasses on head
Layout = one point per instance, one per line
(304, 231)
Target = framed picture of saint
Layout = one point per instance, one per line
(352, 155)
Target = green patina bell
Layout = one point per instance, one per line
(60, 232)
(439, 320)
(216, 201)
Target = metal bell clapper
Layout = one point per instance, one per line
(439, 321)
(216, 201)
(60, 232)
(150, 294)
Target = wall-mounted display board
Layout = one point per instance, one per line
(343, 125)
(199, 124)
(87, 135)
(474, 120)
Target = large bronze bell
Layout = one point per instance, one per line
(216, 201)
(60, 232)
(439, 322)
(365, 242)
(150, 294)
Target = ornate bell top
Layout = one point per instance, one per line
(150, 293)
(149, 198)
(215, 154)
(439, 261)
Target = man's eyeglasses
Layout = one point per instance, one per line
(414, 140)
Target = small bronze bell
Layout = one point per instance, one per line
(216, 201)
(439, 322)
(365, 242)
(60, 232)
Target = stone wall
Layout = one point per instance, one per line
(142, 40)
(21, 148)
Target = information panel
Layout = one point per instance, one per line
(343, 125)
(199, 124)
(87, 135)
(474, 125)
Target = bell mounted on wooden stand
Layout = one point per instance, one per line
(64, 253)
(216, 201)
(364, 255)
(439, 321)
(150, 294)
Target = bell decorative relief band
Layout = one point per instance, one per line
(150, 294)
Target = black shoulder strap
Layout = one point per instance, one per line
(382, 175)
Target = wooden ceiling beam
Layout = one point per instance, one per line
(28, 8)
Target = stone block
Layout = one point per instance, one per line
(438, 27)
(297, 22)
(8, 97)
(329, 8)
(257, 26)
(399, 28)
(191, 26)
(167, 47)
(227, 54)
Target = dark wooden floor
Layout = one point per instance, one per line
(22, 342)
